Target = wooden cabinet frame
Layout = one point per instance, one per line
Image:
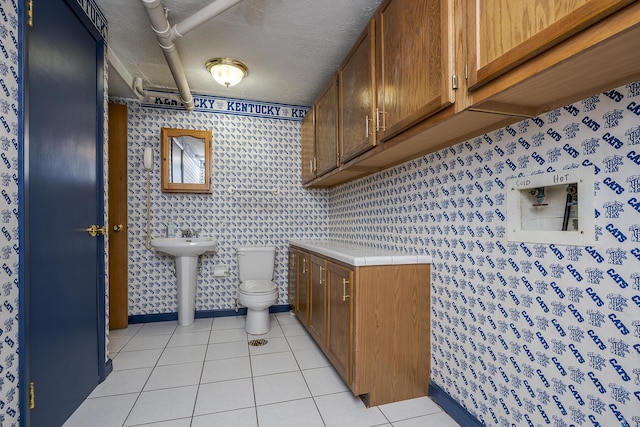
(587, 51)
(486, 60)
(372, 322)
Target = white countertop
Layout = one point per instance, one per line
(360, 255)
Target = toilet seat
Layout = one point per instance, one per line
(256, 287)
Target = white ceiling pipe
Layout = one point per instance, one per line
(166, 35)
(141, 92)
(200, 17)
(118, 67)
(161, 27)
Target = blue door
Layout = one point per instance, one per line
(64, 325)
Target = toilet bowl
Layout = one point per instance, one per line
(257, 296)
(256, 291)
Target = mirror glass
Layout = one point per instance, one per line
(186, 160)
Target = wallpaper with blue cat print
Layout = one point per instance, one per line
(248, 152)
(9, 105)
(522, 333)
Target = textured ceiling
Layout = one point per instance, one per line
(291, 47)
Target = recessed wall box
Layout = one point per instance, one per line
(552, 208)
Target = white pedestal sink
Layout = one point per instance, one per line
(186, 251)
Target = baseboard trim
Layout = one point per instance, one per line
(148, 318)
(108, 368)
(453, 408)
(204, 314)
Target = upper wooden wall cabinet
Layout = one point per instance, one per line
(449, 70)
(308, 154)
(497, 43)
(358, 97)
(327, 129)
(399, 72)
(414, 71)
(503, 35)
(320, 135)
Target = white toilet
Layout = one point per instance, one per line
(257, 292)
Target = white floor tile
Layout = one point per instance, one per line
(194, 338)
(231, 322)
(227, 350)
(441, 419)
(280, 388)
(324, 381)
(129, 331)
(294, 413)
(286, 318)
(174, 376)
(199, 325)
(409, 409)
(311, 358)
(122, 382)
(227, 335)
(225, 396)
(136, 359)
(110, 410)
(141, 342)
(274, 332)
(201, 375)
(158, 328)
(116, 344)
(177, 355)
(163, 405)
(226, 369)
(181, 422)
(293, 329)
(275, 363)
(344, 409)
(238, 418)
(274, 345)
(301, 342)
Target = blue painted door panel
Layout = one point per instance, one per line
(61, 192)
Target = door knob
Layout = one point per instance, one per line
(117, 227)
(94, 230)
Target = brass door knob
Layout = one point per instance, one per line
(94, 230)
(117, 227)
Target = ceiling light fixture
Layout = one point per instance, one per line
(227, 71)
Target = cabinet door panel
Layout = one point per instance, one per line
(303, 288)
(503, 34)
(317, 312)
(357, 101)
(340, 320)
(308, 146)
(327, 130)
(414, 70)
(293, 280)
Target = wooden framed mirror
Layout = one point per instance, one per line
(186, 160)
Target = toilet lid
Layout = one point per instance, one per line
(258, 286)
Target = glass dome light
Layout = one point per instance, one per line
(226, 71)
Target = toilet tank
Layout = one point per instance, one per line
(256, 262)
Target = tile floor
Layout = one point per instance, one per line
(206, 375)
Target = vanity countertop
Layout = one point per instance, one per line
(360, 255)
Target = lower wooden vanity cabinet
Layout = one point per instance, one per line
(339, 316)
(372, 322)
(299, 284)
(318, 299)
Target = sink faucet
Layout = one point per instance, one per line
(189, 233)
